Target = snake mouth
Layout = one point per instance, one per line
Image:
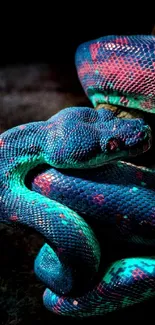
(126, 152)
(104, 158)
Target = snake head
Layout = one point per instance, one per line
(81, 137)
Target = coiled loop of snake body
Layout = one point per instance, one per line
(115, 70)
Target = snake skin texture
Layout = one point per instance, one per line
(119, 70)
(88, 187)
(93, 197)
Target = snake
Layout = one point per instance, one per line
(86, 185)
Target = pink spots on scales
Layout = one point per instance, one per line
(148, 104)
(1, 143)
(124, 100)
(84, 69)
(61, 215)
(44, 182)
(13, 217)
(138, 274)
(98, 198)
(94, 50)
(75, 302)
(22, 127)
(11, 159)
(119, 73)
(105, 292)
(100, 289)
(57, 306)
(121, 40)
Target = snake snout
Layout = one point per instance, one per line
(129, 138)
(139, 139)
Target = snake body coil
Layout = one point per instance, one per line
(113, 70)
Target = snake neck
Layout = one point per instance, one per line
(23, 148)
(20, 151)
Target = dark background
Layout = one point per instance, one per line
(37, 79)
(54, 35)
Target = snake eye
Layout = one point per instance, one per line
(113, 144)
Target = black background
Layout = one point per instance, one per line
(53, 33)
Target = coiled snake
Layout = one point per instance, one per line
(88, 187)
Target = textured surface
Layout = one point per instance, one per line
(18, 159)
(29, 93)
(103, 202)
(119, 70)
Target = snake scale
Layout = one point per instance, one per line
(86, 186)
